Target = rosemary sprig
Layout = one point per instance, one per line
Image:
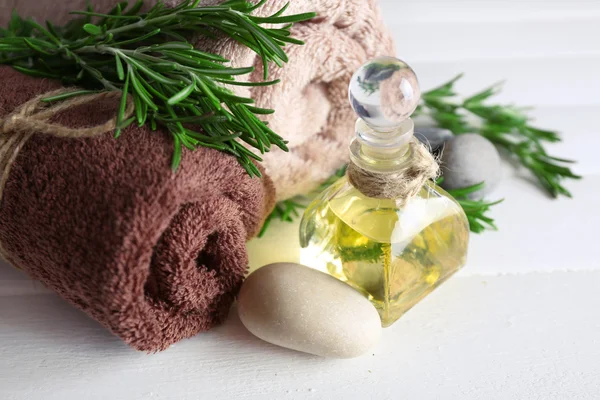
(146, 55)
(475, 210)
(507, 126)
(286, 211)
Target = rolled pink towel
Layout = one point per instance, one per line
(312, 110)
(311, 102)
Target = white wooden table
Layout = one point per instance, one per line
(521, 321)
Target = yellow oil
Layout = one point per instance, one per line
(393, 254)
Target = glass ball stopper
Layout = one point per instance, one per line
(384, 92)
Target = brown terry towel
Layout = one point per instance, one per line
(311, 102)
(154, 256)
(56, 11)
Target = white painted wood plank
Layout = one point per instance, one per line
(528, 82)
(533, 336)
(537, 233)
(430, 11)
(547, 61)
(453, 41)
(18, 287)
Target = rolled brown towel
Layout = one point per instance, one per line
(154, 256)
(311, 102)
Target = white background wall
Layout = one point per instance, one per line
(521, 321)
(547, 50)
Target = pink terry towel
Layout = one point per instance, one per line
(311, 103)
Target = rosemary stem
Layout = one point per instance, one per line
(96, 49)
(139, 24)
(171, 83)
(158, 20)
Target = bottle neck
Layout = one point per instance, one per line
(382, 150)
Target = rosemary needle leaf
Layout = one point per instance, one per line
(233, 98)
(174, 34)
(461, 193)
(176, 152)
(239, 83)
(268, 42)
(139, 110)
(257, 5)
(35, 47)
(208, 93)
(166, 46)
(92, 29)
(36, 72)
(141, 91)
(281, 10)
(119, 65)
(44, 32)
(126, 123)
(181, 95)
(152, 90)
(257, 110)
(207, 56)
(138, 39)
(151, 74)
(483, 95)
(282, 20)
(135, 8)
(228, 71)
(68, 95)
(285, 38)
(189, 142)
(122, 106)
(198, 119)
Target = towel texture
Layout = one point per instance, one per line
(152, 255)
(311, 103)
(312, 110)
(55, 11)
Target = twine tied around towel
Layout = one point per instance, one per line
(34, 116)
(403, 184)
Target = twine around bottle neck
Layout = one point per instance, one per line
(402, 182)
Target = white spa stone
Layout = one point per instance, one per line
(303, 309)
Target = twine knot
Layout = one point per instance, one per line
(401, 185)
(34, 116)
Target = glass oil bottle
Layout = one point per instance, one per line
(394, 251)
